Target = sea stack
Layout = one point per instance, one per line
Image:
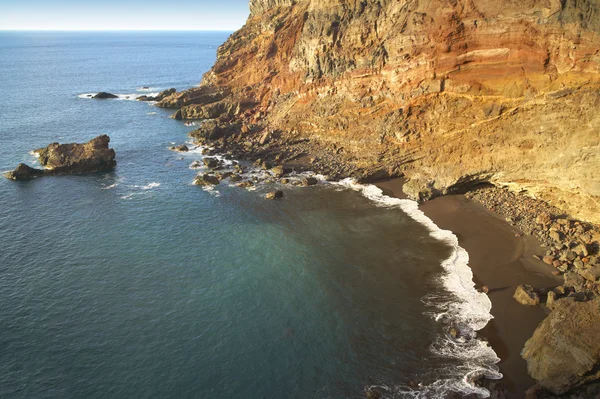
(62, 159)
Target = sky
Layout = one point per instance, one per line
(226, 15)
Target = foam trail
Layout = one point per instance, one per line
(150, 186)
(467, 309)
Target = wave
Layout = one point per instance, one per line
(467, 309)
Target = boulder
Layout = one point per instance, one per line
(211, 162)
(309, 181)
(206, 180)
(245, 184)
(543, 218)
(235, 178)
(223, 176)
(104, 96)
(180, 148)
(527, 295)
(564, 351)
(93, 156)
(591, 273)
(274, 195)
(23, 172)
(278, 171)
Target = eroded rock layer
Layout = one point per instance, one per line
(449, 93)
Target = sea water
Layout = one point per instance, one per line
(136, 283)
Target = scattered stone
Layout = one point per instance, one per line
(527, 295)
(548, 260)
(274, 195)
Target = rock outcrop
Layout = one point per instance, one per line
(160, 96)
(448, 93)
(93, 156)
(23, 172)
(63, 159)
(564, 351)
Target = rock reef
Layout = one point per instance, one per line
(62, 159)
(449, 94)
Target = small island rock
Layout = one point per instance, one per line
(104, 95)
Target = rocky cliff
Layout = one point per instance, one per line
(449, 93)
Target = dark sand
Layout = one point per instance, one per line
(501, 261)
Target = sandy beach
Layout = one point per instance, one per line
(502, 261)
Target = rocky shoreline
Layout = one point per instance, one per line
(571, 246)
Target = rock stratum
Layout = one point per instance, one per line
(448, 93)
(74, 158)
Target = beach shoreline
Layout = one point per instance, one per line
(501, 259)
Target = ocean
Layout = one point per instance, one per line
(136, 283)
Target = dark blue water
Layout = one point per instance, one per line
(136, 283)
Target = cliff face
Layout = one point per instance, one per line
(447, 92)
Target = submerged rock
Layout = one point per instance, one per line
(564, 351)
(23, 172)
(104, 96)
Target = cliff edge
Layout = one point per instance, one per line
(449, 93)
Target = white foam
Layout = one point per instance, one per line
(150, 186)
(111, 186)
(467, 309)
(152, 113)
(146, 89)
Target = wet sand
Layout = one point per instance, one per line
(501, 261)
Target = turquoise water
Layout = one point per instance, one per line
(136, 283)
